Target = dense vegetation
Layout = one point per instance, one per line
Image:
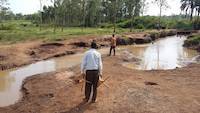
(95, 13)
(193, 42)
(67, 18)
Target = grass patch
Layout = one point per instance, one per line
(192, 41)
(25, 30)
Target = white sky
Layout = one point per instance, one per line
(32, 6)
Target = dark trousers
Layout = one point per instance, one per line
(92, 78)
(112, 48)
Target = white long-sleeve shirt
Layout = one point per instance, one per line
(92, 61)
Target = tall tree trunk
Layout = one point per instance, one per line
(63, 23)
(115, 16)
(83, 15)
(198, 21)
(54, 28)
(40, 15)
(198, 14)
(160, 16)
(132, 18)
(192, 10)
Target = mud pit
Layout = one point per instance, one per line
(57, 92)
(30, 52)
(178, 92)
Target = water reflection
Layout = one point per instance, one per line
(5, 81)
(10, 81)
(166, 53)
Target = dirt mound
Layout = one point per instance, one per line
(129, 57)
(161, 34)
(45, 48)
(80, 44)
(2, 57)
(133, 39)
(7, 66)
(51, 45)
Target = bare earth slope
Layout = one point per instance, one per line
(131, 91)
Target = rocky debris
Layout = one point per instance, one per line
(2, 57)
(186, 32)
(129, 57)
(132, 39)
(7, 66)
(52, 45)
(31, 52)
(65, 53)
(80, 44)
(155, 35)
(46, 48)
(48, 95)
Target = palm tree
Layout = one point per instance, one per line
(188, 5)
(197, 7)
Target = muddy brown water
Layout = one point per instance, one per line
(166, 53)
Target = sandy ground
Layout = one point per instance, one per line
(130, 91)
(29, 52)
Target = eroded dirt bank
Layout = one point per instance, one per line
(131, 91)
(16, 55)
(193, 42)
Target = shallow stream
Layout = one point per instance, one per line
(166, 53)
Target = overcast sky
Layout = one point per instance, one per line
(32, 6)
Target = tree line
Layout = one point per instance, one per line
(92, 13)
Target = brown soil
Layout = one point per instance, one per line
(16, 55)
(130, 91)
(30, 52)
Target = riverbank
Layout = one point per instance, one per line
(172, 91)
(30, 52)
(193, 42)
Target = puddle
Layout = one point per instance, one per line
(167, 53)
(11, 80)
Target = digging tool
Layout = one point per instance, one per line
(101, 81)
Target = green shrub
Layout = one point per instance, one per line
(105, 25)
(184, 24)
(6, 27)
(150, 22)
(192, 41)
(196, 24)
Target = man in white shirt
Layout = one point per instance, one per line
(91, 69)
